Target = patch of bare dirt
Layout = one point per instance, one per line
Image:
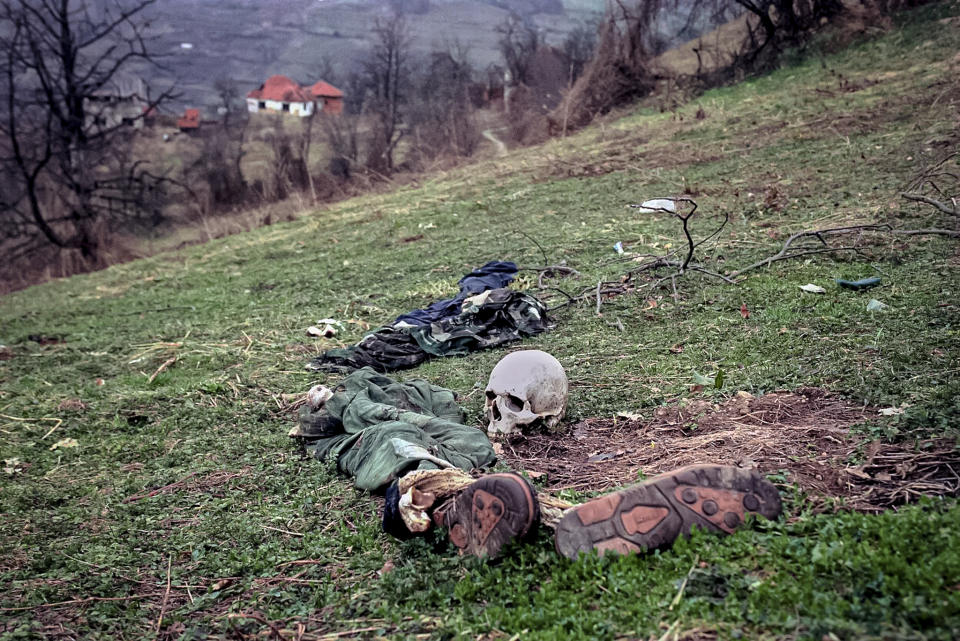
(802, 435)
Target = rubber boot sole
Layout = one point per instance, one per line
(491, 512)
(652, 515)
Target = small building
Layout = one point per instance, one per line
(120, 101)
(328, 98)
(189, 121)
(281, 95)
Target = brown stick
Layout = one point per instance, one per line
(91, 599)
(169, 361)
(144, 495)
(920, 198)
(259, 619)
(166, 594)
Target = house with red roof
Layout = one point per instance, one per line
(280, 94)
(329, 98)
(189, 121)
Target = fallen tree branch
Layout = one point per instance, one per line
(792, 248)
(926, 232)
(942, 207)
(820, 234)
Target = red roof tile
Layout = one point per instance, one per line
(281, 89)
(323, 89)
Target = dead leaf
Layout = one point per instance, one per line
(580, 431)
(65, 443)
(72, 404)
(534, 474)
(677, 349)
(744, 311)
(12, 466)
(388, 567)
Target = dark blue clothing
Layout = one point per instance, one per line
(493, 275)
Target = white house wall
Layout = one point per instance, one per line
(301, 109)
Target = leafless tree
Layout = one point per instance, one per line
(387, 76)
(442, 115)
(777, 24)
(519, 41)
(62, 63)
(578, 48)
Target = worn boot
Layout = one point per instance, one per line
(491, 512)
(653, 514)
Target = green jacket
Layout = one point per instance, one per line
(378, 429)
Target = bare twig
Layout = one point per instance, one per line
(167, 363)
(926, 232)
(787, 250)
(144, 495)
(253, 616)
(546, 261)
(941, 206)
(90, 599)
(166, 594)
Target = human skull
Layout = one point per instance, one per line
(525, 387)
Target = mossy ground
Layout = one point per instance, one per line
(259, 541)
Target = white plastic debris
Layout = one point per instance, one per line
(875, 306)
(618, 247)
(813, 289)
(656, 204)
(325, 327)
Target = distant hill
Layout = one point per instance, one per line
(200, 41)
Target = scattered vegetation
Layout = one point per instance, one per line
(149, 488)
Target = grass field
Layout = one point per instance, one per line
(149, 489)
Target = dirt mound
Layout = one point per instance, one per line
(803, 437)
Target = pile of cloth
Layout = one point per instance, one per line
(377, 429)
(484, 314)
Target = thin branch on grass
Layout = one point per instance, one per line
(550, 270)
(145, 495)
(166, 363)
(788, 251)
(543, 252)
(792, 248)
(950, 210)
(166, 594)
(259, 618)
(90, 599)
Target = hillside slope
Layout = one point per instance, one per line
(248, 40)
(150, 490)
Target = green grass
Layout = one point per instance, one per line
(232, 315)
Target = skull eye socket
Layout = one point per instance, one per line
(491, 395)
(514, 403)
